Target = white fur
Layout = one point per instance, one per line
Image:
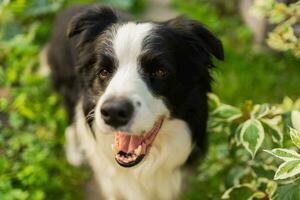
(127, 45)
(158, 176)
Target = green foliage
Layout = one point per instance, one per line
(291, 166)
(247, 141)
(246, 73)
(32, 162)
(236, 166)
(286, 19)
(32, 120)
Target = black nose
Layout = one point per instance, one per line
(117, 112)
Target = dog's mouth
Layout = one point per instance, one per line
(131, 149)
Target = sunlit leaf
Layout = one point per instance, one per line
(295, 136)
(252, 136)
(295, 118)
(238, 192)
(275, 131)
(227, 112)
(214, 101)
(288, 169)
(284, 154)
(260, 111)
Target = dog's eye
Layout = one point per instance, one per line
(160, 73)
(104, 73)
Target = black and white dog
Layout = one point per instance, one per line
(136, 97)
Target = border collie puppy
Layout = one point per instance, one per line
(136, 97)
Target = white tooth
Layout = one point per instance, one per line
(138, 150)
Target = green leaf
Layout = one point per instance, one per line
(237, 134)
(264, 170)
(227, 112)
(238, 192)
(288, 169)
(275, 131)
(284, 154)
(295, 136)
(252, 136)
(287, 192)
(277, 135)
(260, 111)
(214, 101)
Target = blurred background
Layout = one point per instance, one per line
(262, 51)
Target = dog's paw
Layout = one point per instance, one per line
(75, 155)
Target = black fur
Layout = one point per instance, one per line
(183, 47)
(71, 52)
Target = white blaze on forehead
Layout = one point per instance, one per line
(127, 81)
(128, 41)
(127, 45)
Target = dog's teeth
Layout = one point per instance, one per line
(138, 150)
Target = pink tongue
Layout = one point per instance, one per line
(128, 143)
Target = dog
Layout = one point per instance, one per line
(136, 97)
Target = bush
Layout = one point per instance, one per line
(32, 120)
(286, 19)
(246, 140)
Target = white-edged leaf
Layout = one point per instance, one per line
(277, 135)
(284, 154)
(275, 131)
(238, 192)
(227, 112)
(260, 111)
(252, 135)
(295, 118)
(295, 136)
(257, 195)
(237, 134)
(288, 169)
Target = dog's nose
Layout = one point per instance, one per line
(117, 112)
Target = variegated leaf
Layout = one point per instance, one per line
(252, 135)
(295, 117)
(237, 134)
(295, 136)
(260, 111)
(227, 112)
(275, 131)
(284, 154)
(288, 169)
(238, 192)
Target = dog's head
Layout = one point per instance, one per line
(136, 76)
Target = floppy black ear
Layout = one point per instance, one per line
(206, 39)
(90, 22)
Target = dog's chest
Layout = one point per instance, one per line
(157, 177)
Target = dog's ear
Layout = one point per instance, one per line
(200, 36)
(91, 22)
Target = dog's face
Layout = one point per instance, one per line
(137, 76)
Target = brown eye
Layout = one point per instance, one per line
(160, 73)
(104, 73)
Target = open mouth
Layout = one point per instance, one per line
(131, 149)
